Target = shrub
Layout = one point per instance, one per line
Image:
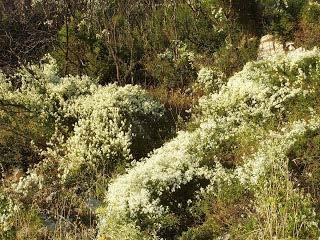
(98, 114)
(277, 208)
(281, 16)
(8, 209)
(304, 164)
(33, 103)
(154, 191)
(113, 124)
(277, 89)
(238, 50)
(209, 80)
(174, 68)
(211, 159)
(308, 33)
(90, 133)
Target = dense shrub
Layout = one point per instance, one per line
(7, 211)
(281, 16)
(156, 196)
(266, 96)
(88, 133)
(32, 101)
(304, 164)
(114, 124)
(175, 67)
(308, 33)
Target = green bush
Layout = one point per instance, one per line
(174, 68)
(304, 164)
(308, 34)
(281, 16)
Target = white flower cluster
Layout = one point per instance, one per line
(130, 100)
(262, 88)
(140, 192)
(8, 209)
(209, 80)
(108, 122)
(28, 184)
(219, 18)
(42, 91)
(99, 143)
(178, 52)
(273, 151)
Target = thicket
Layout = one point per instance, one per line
(154, 120)
(157, 44)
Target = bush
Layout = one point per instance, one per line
(8, 209)
(277, 89)
(89, 133)
(174, 68)
(155, 194)
(277, 208)
(32, 101)
(264, 101)
(308, 33)
(304, 164)
(114, 125)
(281, 16)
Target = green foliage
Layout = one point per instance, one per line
(281, 16)
(201, 26)
(239, 50)
(175, 67)
(308, 34)
(311, 13)
(304, 164)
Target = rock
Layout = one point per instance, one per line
(269, 46)
(290, 46)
